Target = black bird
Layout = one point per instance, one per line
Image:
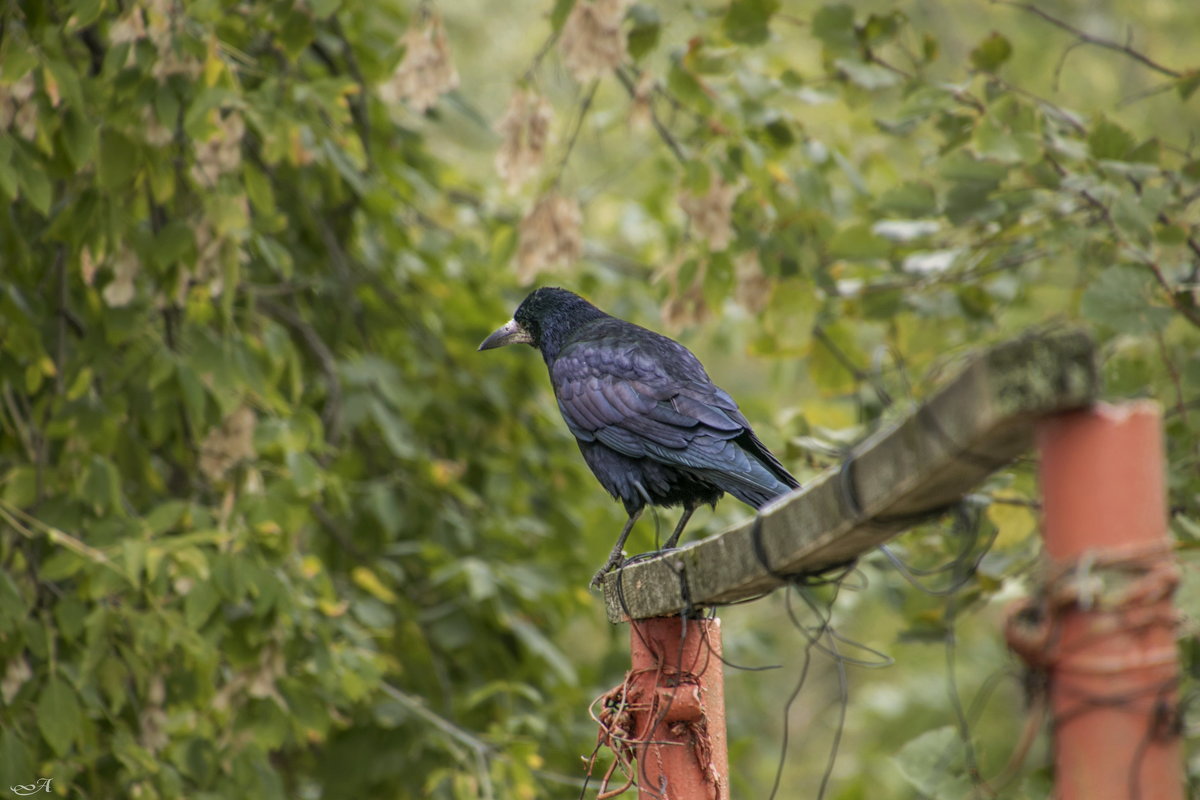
(650, 423)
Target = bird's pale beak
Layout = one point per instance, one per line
(509, 333)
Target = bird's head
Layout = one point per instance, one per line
(545, 320)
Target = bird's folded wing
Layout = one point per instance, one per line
(629, 405)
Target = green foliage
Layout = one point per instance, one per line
(747, 21)
(991, 53)
(274, 529)
(237, 504)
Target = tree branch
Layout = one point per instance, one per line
(1189, 313)
(583, 111)
(663, 133)
(1098, 41)
(332, 412)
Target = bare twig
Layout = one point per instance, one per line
(1173, 374)
(583, 111)
(1190, 313)
(860, 375)
(1071, 119)
(539, 55)
(1009, 500)
(961, 96)
(1137, 97)
(955, 277)
(60, 355)
(662, 131)
(19, 422)
(480, 749)
(335, 531)
(1098, 41)
(358, 105)
(29, 526)
(331, 413)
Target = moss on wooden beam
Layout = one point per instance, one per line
(975, 424)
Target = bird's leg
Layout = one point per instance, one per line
(688, 510)
(616, 558)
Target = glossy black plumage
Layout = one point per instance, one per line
(651, 425)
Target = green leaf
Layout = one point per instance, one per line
(882, 305)
(1120, 299)
(366, 579)
(1134, 217)
(20, 486)
(101, 487)
(175, 242)
(697, 176)
(60, 564)
(14, 756)
(974, 181)
(993, 139)
(779, 133)
(13, 608)
(748, 21)
(35, 186)
(830, 370)
(69, 614)
(165, 516)
(1148, 152)
(276, 256)
(975, 301)
(909, 199)
(198, 119)
(18, 60)
(8, 173)
(69, 86)
(258, 189)
(930, 48)
(296, 33)
(381, 502)
(963, 166)
(536, 641)
(558, 15)
(932, 761)
(834, 26)
(882, 28)
(322, 9)
(59, 716)
(306, 475)
(1187, 84)
(1108, 140)
(687, 86)
(200, 603)
(857, 242)
(868, 76)
(191, 391)
(989, 54)
(118, 160)
(643, 36)
(79, 138)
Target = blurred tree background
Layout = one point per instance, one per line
(272, 528)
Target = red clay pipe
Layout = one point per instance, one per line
(1111, 658)
(678, 697)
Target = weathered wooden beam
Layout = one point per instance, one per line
(978, 422)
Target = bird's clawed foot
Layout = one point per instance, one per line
(615, 561)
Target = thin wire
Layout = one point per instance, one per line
(843, 704)
(787, 707)
(964, 726)
(966, 526)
